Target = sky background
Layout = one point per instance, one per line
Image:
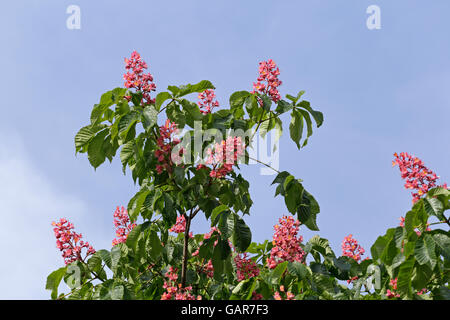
(381, 91)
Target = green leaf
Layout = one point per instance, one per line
(321, 245)
(97, 113)
(267, 102)
(160, 98)
(217, 262)
(217, 210)
(85, 135)
(410, 221)
(155, 245)
(133, 237)
(242, 236)
(189, 88)
(317, 115)
(442, 293)
(434, 207)
(296, 127)
(299, 270)
(115, 257)
(237, 100)
(308, 122)
(117, 291)
(149, 118)
(295, 99)
(96, 154)
(226, 224)
(308, 210)
(293, 196)
(278, 272)
(179, 175)
(243, 290)
(126, 153)
(421, 276)
(106, 257)
(126, 123)
(53, 281)
(404, 278)
(442, 241)
(135, 204)
(283, 106)
(381, 246)
(281, 177)
(267, 125)
(425, 251)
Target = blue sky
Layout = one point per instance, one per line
(381, 91)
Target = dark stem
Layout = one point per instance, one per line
(185, 251)
(186, 244)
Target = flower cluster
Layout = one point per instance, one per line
(416, 174)
(180, 226)
(176, 291)
(268, 82)
(223, 156)
(289, 295)
(391, 293)
(286, 244)
(122, 224)
(257, 296)
(207, 269)
(207, 102)
(69, 242)
(165, 144)
(421, 292)
(246, 268)
(351, 248)
(136, 79)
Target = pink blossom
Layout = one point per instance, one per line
(392, 293)
(69, 242)
(208, 269)
(136, 79)
(246, 268)
(207, 102)
(289, 295)
(268, 82)
(180, 226)
(174, 291)
(122, 224)
(351, 248)
(286, 244)
(166, 142)
(223, 156)
(416, 174)
(257, 296)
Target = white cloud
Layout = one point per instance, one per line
(29, 203)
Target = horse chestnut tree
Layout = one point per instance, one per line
(182, 176)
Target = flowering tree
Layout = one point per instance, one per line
(182, 176)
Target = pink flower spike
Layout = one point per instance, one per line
(286, 244)
(122, 224)
(268, 82)
(69, 242)
(136, 79)
(417, 176)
